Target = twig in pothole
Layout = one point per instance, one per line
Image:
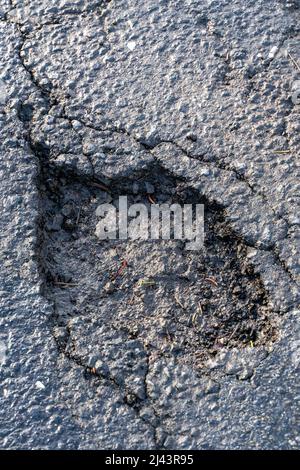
(212, 281)
(179, 302)
(233, 333)
(124, 265)
(150, 198)
(294, 61)
(100, 186)
(197, 313)
(65, 284)
(147, 282)
(130, 301)
(169, 336)
(282, 152)
(78, 216)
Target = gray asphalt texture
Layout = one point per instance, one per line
(207, 95)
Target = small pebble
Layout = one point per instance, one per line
(273, 52)
(212, 387)
(131, 45)
(245, 374)
(39, 385)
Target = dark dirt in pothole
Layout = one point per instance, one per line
(172, 301)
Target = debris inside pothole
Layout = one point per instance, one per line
(113, 298)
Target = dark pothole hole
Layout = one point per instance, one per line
(117, 302)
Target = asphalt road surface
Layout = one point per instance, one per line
(132, 344)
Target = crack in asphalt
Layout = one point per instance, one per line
(108, 380)
(51, 101)
(55, 20)
(138, 403)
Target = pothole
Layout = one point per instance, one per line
(116, 302)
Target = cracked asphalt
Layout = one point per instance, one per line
(176, 99)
